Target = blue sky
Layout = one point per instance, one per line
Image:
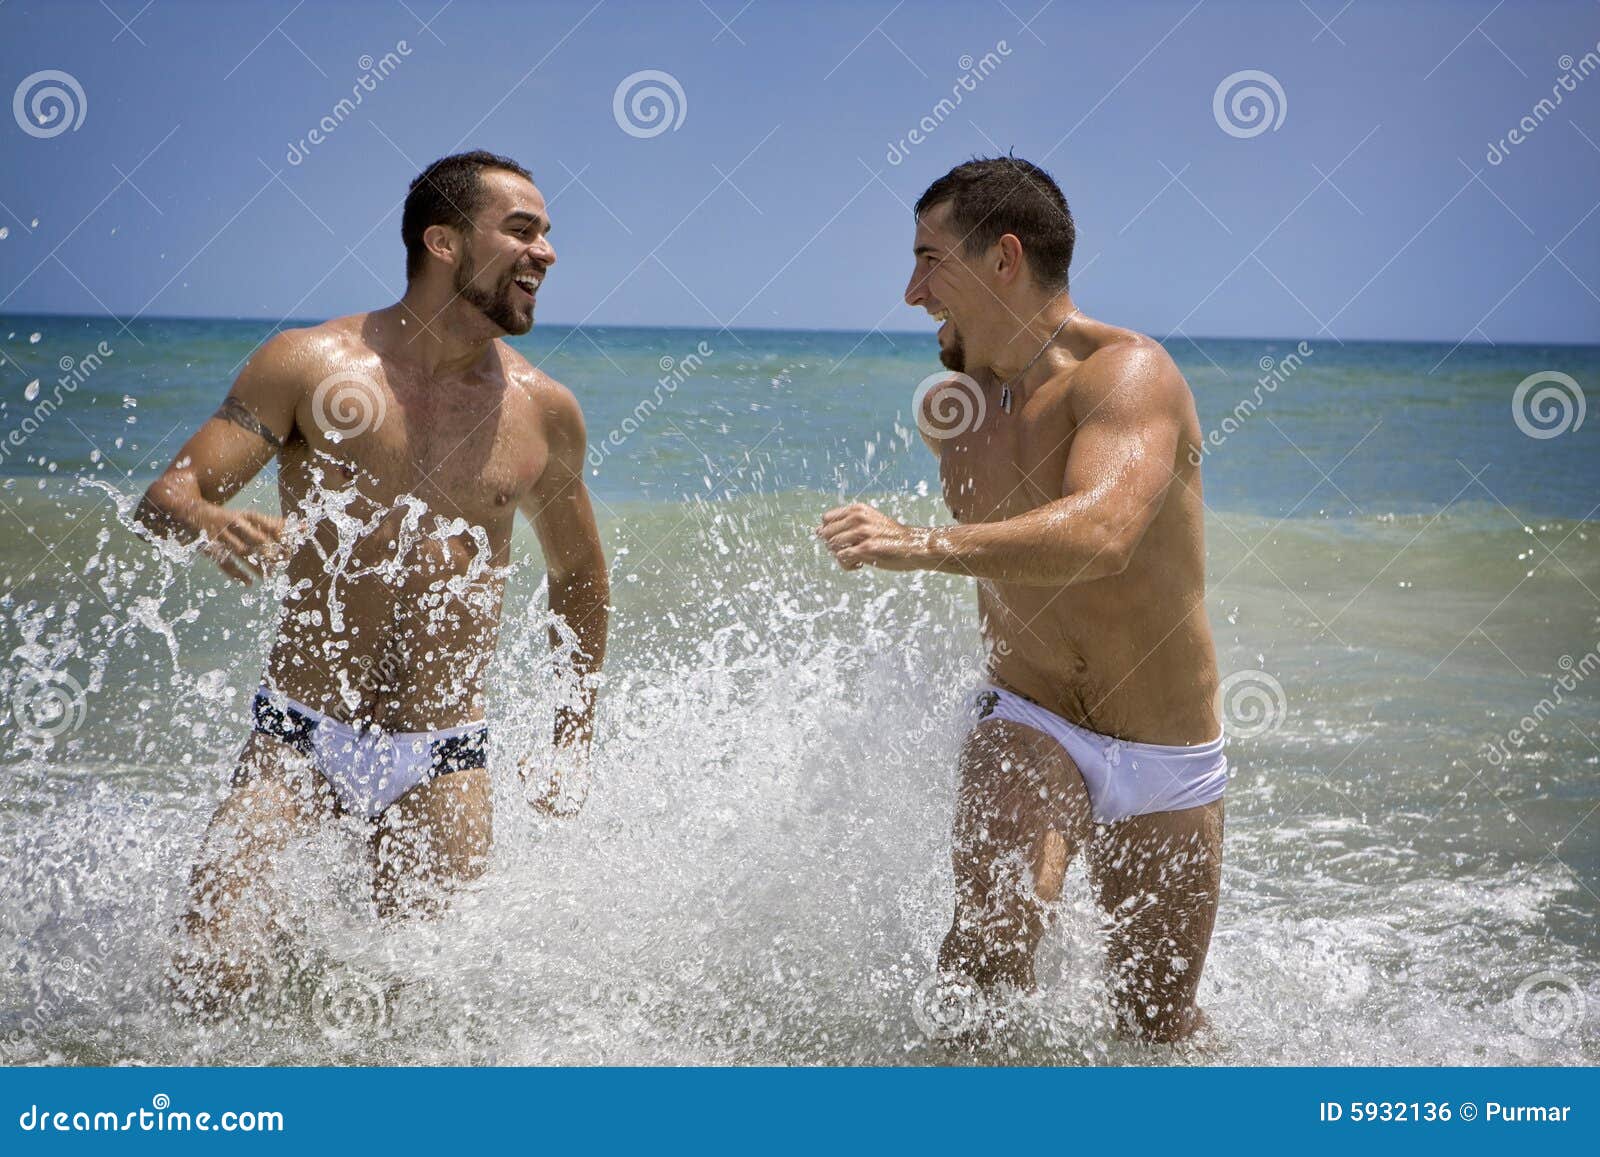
(1369, 211)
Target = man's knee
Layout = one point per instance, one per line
(989, 953)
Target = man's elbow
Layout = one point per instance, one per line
(587, 576)
(1111, 551)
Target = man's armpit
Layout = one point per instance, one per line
(235, 411)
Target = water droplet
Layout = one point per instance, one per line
(33, 338)
(31, 390)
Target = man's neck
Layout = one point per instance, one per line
(1043, 316)
(435, 337)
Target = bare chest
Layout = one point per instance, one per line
(1008, 464)
(469, 452)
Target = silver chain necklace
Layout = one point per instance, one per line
(1005, 390)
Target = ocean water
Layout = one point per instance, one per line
(1402, 582)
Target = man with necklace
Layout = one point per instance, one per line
(1064, 447)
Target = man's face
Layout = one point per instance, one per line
(949, 288)
(507, 252)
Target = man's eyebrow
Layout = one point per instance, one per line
(921, 249)
(523, 214)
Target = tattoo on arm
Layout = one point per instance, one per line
(235, 411)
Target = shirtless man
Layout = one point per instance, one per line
(407, 439)
(1065, 460)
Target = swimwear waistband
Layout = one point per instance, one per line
(451, 749)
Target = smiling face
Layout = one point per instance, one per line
(505, 256)
(952, 287)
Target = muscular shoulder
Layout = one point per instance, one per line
(549, 403)
(295, 360)
(1129, 372)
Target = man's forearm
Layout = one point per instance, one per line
(1057, 545)
(582, 600)
(167, 510)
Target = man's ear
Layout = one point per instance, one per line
(1008, 265)
(443, 242)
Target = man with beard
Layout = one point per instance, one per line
(1066, 459)
(406, 440)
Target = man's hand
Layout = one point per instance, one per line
(244, 543)
(858, 534)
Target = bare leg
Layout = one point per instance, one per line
(276, 797)
(1021, 814)
(434, 837)
(1158, 878)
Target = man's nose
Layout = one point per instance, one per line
(544, 252)
(915, 295)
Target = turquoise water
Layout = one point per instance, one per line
(807, 406)
(760, 875)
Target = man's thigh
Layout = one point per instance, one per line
(230, 918)
(1158, 878)
(435, 836)
(1021, 804)
(276, 796)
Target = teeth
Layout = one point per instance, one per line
(941, 316)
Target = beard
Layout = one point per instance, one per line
(495, 303)
(954, 357)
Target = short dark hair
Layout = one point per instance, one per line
(992, 196)
(447, 192)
